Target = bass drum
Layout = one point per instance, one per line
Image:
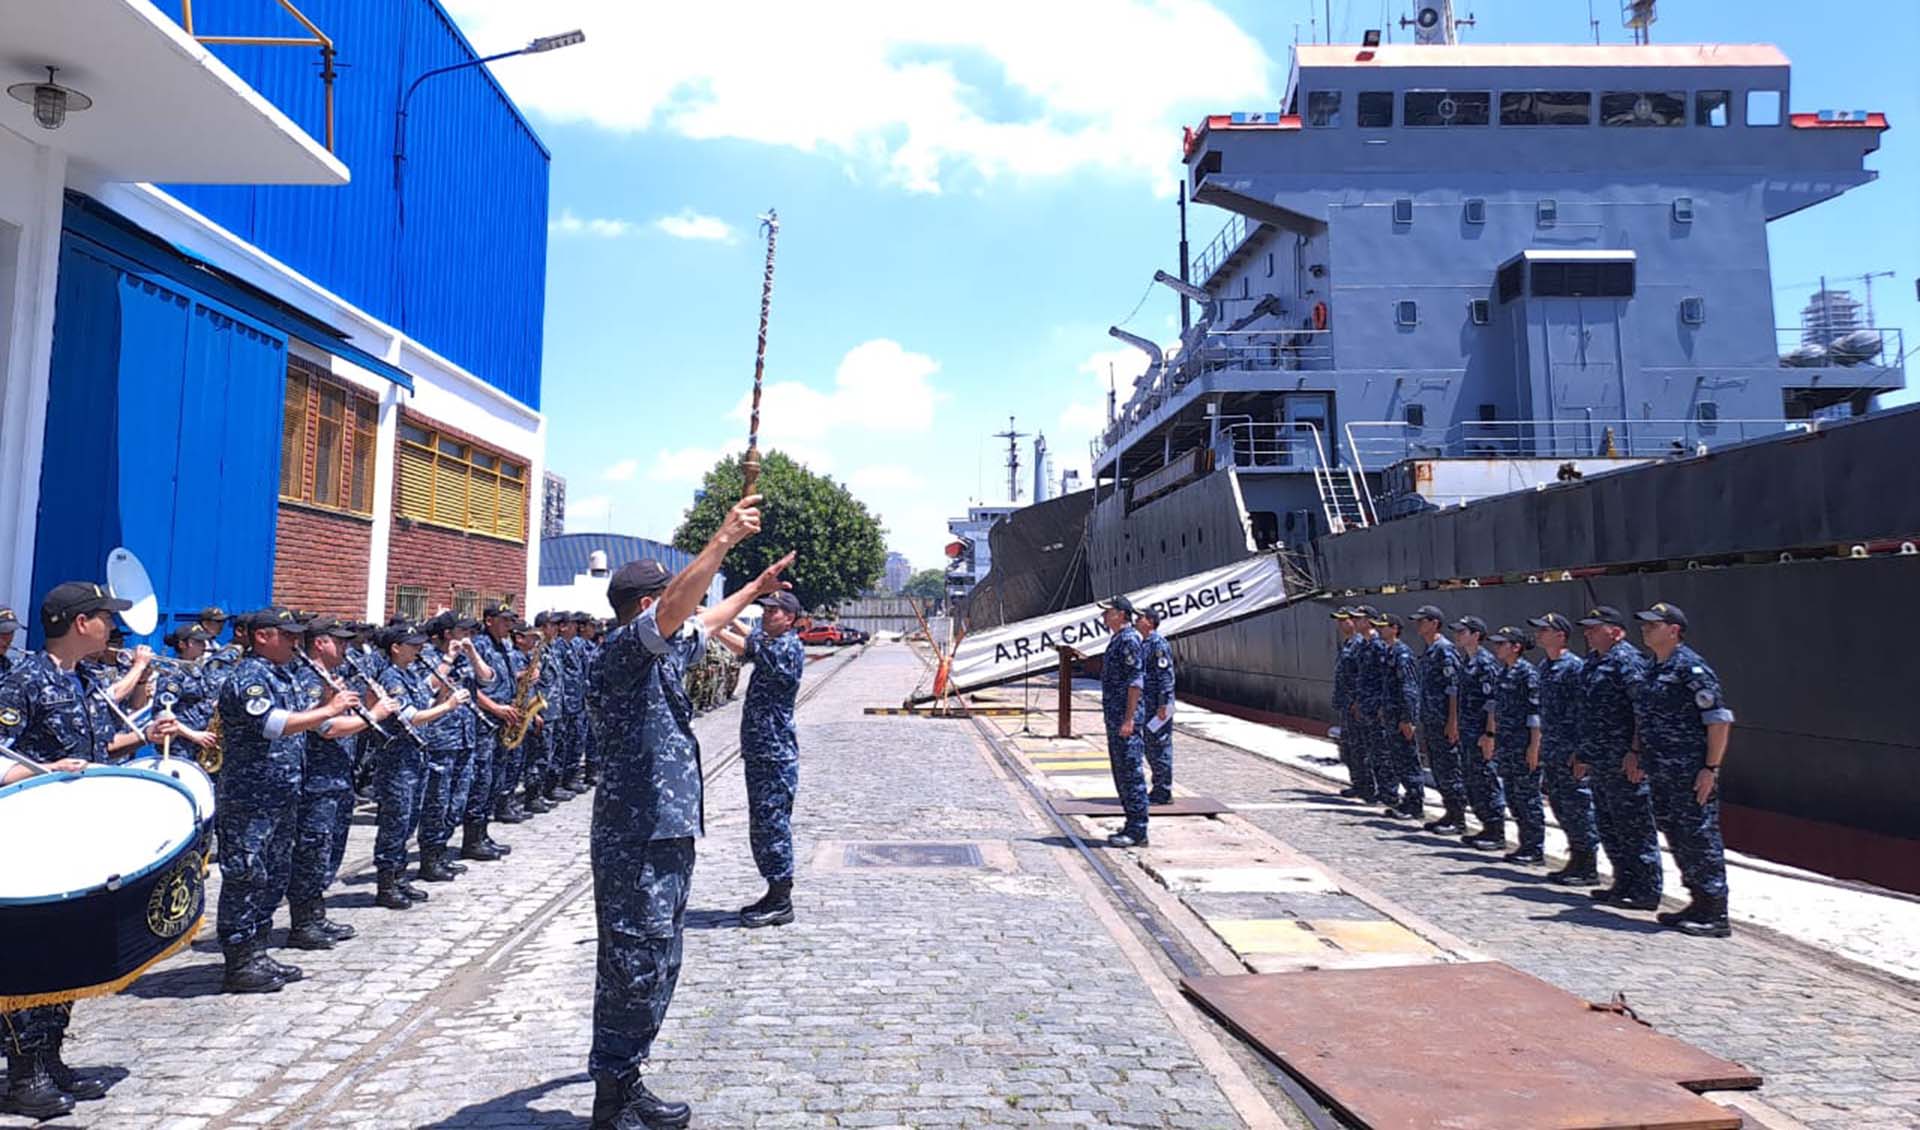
(188, 773)
(102, 880)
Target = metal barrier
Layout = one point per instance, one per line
(1373, 444)
(1251, 445)
(1867, 349)
(1238, 230)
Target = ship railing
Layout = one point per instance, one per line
(1258, 445)
(1238, 230)
(1374, 444)
(1866, 349)
(1259, 350)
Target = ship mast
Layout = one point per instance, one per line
(1013, 438)
(1434, 24)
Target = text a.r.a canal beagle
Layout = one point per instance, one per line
(1074, 633)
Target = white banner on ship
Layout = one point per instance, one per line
(1190, 604)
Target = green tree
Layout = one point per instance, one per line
(927, 584)
(842, 547)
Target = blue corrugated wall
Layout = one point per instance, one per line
(467, 275)
(163, 432)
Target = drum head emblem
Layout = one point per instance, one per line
(176, 899)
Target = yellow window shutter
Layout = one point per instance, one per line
(416, 483)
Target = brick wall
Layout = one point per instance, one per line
(320, 561)
(444, 561)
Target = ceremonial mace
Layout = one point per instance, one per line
(750, 466)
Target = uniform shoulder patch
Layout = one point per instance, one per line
(1704, 700)
(9, 717)
(257, 690)
(259, 706)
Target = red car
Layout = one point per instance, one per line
(820, 635)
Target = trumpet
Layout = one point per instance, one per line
(125, 658)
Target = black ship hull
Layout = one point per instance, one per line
(1791, 557)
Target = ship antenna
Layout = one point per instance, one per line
(1013, 438)
(1638, 16)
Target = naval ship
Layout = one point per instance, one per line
(1492, 327)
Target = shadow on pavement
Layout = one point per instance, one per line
(515, 1108)
(712, 919)
(1577, 908)
(180, 982)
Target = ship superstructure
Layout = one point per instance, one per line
(1507, 253)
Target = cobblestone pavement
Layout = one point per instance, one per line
(1836, 1046)
(922, 997)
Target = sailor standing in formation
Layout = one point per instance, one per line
(1624, 749)
(770, 749)
(1345, 673)
(1157, 700)
(1122, 688)
(1398, 706)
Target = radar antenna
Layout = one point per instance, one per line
(1013, 439)
(1638, 16)
(1434, 24)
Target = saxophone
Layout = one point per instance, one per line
(212, 757)
(526, 700)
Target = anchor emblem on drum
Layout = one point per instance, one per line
(175, 901)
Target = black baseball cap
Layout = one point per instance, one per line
(1365, 612)
(582, 618)
(1553, 621)
(1508, 634)
(1122, 603)
(540, 619)
(1151, 613)
(213, 612)
(1430, 612)
(1471, 624)
(331, 626)
(69, 599)
(280, 618)
(1342, 613)
(492, 610)
(9, 622)
(522, 628)
(632, 581)
(445, 622)
(1605, 614)
(399, 634)
(783, 600)
(1663, 613)
(468, 623)
(1390, 619)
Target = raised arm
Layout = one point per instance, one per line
(682, 594)
(728, 610)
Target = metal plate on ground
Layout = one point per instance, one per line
(912, 855)
(1110, 806)
(1478, 1046)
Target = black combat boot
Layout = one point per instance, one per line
(1493, 837)
(1687, 913)
(557, 790)
(592, 776)
(1452, 822)
(577, 781)
(509, 811)
(1525, 855)
(626, 1104)
(475, 845)
(433, 868)
(1160, 796)
(408, 888)
(84, 1088)
(248, 972)
(338, 931)
(31, 1092)
(1710, 921)
(1128, 837)
(536, 801)
(1583, 867)
(389, 894)
(309, 931)
(486, 837)
(774, 909)
(288, 973)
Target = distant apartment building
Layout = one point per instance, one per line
(1828, 316)
(553, 505)
(897, 572)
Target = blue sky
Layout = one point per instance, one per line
(969, 196)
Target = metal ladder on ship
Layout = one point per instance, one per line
(1344, 497)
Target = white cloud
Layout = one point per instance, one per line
(916, 93)
(622, 471)
(689, 224)
(571, 225)
(683, 465)
(591, 514)
(879, 386)
(884, 477)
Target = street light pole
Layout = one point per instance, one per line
(538, 46)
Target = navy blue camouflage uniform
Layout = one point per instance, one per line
(1363, 719)
(400, 767)
(449, 775)
(47, 715)
(1623, 810)
(490, 771)
(325, 809)
(1561, 701)
(1156, 692)
(1346, 676)
(1439, 688)
(1680, 698)
(589, 651)
(770, 748)
(538, 767)
(258, 798)
(1479, 675)
(1120, 668)
(1398, 701)
(570, 721)
(1515, 711)
(646, 814)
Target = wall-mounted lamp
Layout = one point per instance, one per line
(51, 102)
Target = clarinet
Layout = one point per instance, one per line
(337, 687)
(412, 732)
(489, 726)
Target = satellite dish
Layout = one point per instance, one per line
(127, 579)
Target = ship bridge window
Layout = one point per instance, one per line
(1512, 280)
(1323, 109)
(1643, 108)
(1583, 278)
(1446, 107)
(1375, 109)
(1763, 107)
(1546, 108)
(1711, 107)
